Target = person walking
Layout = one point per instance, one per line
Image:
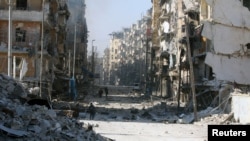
(100, 92)
(73, 91)
(92, 111)
(106, 92)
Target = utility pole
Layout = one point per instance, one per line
(74, 59)
(10, 39)
(93, 59)
(147, 74)
(191, 69)
(42, 44)
(69, 62)
(146, 68)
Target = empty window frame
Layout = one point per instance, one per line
(20, 35)
(21, 4)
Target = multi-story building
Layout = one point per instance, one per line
(36, 41)
(26, 25)
(114, 57)
(105, 78)
(179, 61)
(127, 54)
(226, 32)
(199, 48)
(197, 53)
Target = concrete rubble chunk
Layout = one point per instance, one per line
(34, 122)
(34, 91)
(19, 91)
(19, 110)
(13, 132)
(51, 114)
(10, 88)
(3, 84)
(45, 124)
(16, 124)
(57, 127)
(35, 128)
(5, 77)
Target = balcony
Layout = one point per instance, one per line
(165, 16)
(22, 15)
(155, 47)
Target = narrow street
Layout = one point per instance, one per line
(127, 116)
(172, 69)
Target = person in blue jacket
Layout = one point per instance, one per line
(73, 92)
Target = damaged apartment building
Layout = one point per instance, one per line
(176, 28)
(127, 53)
(36, 42)
(202, 44)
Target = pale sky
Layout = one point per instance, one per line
(107, 16)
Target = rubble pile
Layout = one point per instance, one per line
(207, 116)
(21, 121)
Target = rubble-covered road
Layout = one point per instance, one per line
(125, 116)
(121, 116)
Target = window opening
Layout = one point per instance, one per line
(20, 35)
(21, 4)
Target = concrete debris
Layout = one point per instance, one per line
(13, 132)
(207, 116)
(21, 121)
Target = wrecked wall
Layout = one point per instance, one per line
(31, 33)
(23, 15)
(227, 39)
(35, 5)
(233, 69)
(240, 107)
(230, 12)
(229, 31)
(30, 11)
(30, 62)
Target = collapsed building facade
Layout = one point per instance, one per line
(178, 30)
(201, 47)
(37, 41)
(196, 51)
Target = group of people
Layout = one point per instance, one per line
(91, 108)
(100, 92)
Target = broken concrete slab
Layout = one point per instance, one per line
(13, 132)
(221, 65)
(240, 107)
(227, 40)
(233, 13)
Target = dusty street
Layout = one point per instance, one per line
(125, 116)
(149, 131)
